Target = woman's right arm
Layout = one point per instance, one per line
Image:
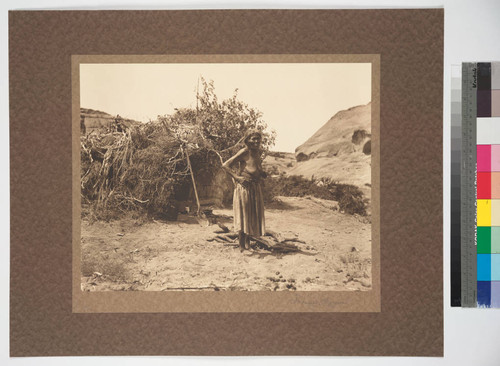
(227, 166)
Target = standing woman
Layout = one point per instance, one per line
(248, 201)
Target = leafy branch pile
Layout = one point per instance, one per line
(145, 169)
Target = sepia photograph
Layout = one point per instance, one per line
(225, 176)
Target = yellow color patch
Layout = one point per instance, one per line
(483, 212)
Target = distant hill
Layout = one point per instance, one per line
(95, 120)
(277, 162)
(346, 132)
(340, 149)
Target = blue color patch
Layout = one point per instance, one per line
(484, 294)
(484, 267)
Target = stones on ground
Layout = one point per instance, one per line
(349, 278)
(289, 283)
(365, 283)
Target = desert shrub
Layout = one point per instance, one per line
(349, 197)
(272, 170)
(277, 154)
(294, 186)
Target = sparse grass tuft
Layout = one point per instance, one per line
(113, 269)
(351, 257)
(355, 266)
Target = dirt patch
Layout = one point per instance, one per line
(177, 255)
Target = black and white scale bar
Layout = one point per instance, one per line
(468, 250)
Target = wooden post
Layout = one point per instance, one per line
(194, 182)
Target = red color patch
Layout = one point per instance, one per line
(483, 185)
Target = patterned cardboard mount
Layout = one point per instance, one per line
(410, 43)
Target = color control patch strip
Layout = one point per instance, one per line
(480, 188)
(488, 184)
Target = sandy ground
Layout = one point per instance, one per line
(159, 256)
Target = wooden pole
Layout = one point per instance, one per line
(194, 182)
(197, 97)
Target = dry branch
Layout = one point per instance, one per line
(215, 288)
(294, 240)
(222, 237)
(223, 227)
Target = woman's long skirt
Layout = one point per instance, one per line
(248, 206)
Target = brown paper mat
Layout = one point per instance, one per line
(410, 45)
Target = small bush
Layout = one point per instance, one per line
(277, 154)
(272, 170)
(351, 257)
(349, 197)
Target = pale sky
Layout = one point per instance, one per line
(296, 99)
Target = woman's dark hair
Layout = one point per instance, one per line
(251, 132)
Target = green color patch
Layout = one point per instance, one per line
(483, 239)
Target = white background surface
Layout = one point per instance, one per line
(488, 131)
(472, 33)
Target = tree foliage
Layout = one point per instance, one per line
(220, 124)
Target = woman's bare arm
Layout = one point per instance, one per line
(227, 166)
